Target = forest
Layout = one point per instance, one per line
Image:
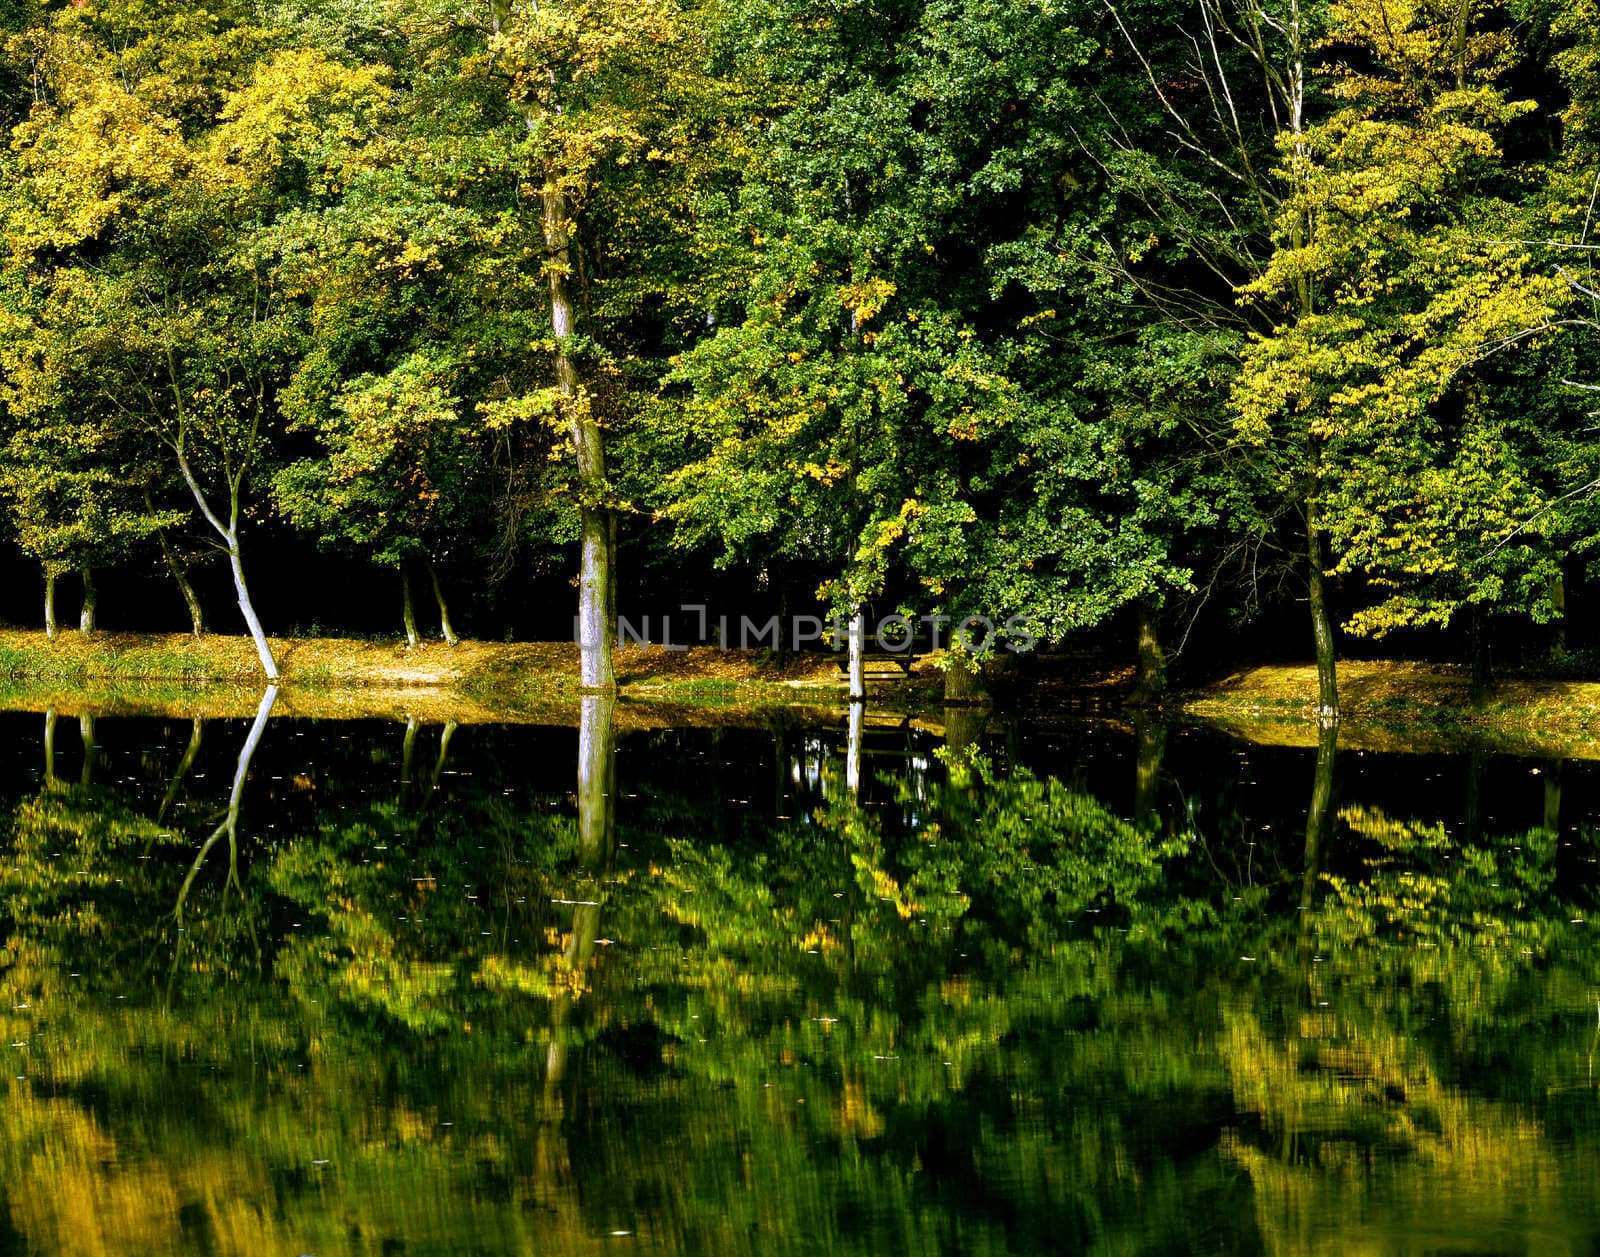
(1130, 319)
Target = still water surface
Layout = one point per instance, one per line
(288, 987)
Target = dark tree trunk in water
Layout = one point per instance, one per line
(1477, 764)
(1552, 794)
(1321, 626)
(50, 780)
(408, 749)
(196, 735)
(1319, 818)
(596, 628)
(1150, 675)
(780, 765)
(50, 603)
(1478, 644)
(86, 736)
(446, 629)
(86, 615)
(1150, 740)
(444, 754)
(963, 727)
(408, 611)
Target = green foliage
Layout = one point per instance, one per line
(1034, 310)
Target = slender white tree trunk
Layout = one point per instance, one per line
(50, 603)
(857, 645)
(247, 609)
(86, 614)
(229, 532)
(596, 628)
(445, 627)
(408, 611)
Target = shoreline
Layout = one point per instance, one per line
(1384, 704)
(1400, 692)
(483, 680)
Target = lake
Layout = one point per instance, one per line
(964, 985)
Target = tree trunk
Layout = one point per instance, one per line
(86, 615)
(963, 682)
(191, 600)
(197, 617)
(445, 627)
(596, 630)
(1150, 666)
(856, 647)
(1321, 627)
(50, 603)
(408, 612)
(248, 610)
(1558, 603)
(1478, 644)
(229, 532)
(783, 619)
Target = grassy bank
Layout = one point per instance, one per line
(334, 676)
(1383, 693)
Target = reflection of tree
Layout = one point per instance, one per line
(987, 1013)
(1319, 815)
(597, 844)
(191, 752)
(228, 826)
(1150, 746)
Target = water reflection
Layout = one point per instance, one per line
(228, 826)
(476, 989)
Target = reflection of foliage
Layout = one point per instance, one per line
(987, 1008)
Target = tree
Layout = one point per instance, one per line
(396, 476)
(1418, 279)
(161, 141)
(584, 89)
(72, 502)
